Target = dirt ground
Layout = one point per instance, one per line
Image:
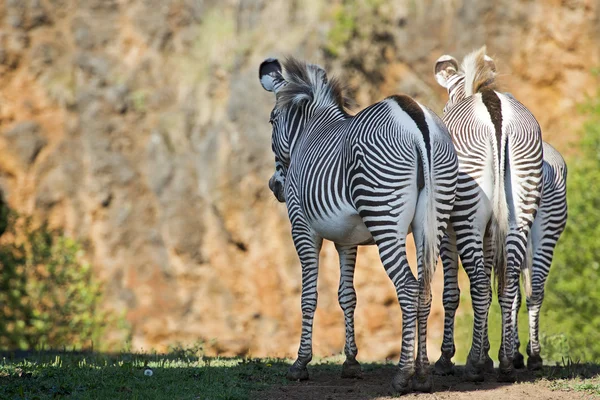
(375, 385)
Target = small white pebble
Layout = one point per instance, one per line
(148, 372)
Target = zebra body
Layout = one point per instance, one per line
(499, 148)
(355, 180)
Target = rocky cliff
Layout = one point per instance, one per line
(139, 126)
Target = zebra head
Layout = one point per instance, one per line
(450, 76)
(272, 80)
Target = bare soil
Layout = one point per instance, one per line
(375, 384)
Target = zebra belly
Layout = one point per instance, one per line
(345, 228)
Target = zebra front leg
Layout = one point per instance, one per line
(451, 299)
(308, 247)
(347, 299)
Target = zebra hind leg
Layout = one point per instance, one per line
(451, 299)
(395, 261)
(488, 364)
(347, 299)
(518, 360)
(422, 381)
(516, 252)
(471, 250)
(534, 304)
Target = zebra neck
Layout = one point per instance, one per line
(319, 120)
(456, 91)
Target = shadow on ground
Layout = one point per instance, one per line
(325, 383)
(185, 374)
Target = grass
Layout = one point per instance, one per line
(103, 376)
(183, 374)
(574, 376)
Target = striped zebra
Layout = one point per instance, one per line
(499, 147)
(548, 225)
(360, 180)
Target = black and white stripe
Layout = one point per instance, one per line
(355, 180)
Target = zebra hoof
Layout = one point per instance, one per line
(401, 382)
(507, 374)
(473, 373)
(488, 365)
(534, 363)
(422, 383)
(443, 366)
(519, 361)
(297, 374)
(351, 369)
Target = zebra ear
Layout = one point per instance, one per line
(445, 66)
(269, 74)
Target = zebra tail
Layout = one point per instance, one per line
(527, 268)
(430, 241)
(500, 217)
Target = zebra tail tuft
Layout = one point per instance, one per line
(430, 242)
(480, 72)
(500, 219)
(527, 268)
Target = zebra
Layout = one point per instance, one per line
(548, 225)
(499, 147)
(364, 179)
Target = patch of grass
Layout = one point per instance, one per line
(574, 376)
(104, 376)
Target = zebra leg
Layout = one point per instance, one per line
(390, 238)
(471, 251)
(395, 262)
(422, 380)
(543, 251)
(480, 295)
(523, 184)
(516, 251)
(488, 365)
(451, 299)
(387, 210)
(534, 304)
(347, 300)
(308, 247)
(518, 358)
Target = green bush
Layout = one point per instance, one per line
(570, 314)
(48, 297)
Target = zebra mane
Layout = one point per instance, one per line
(309, 83)
(480, 72)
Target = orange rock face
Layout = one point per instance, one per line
(141, 129)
